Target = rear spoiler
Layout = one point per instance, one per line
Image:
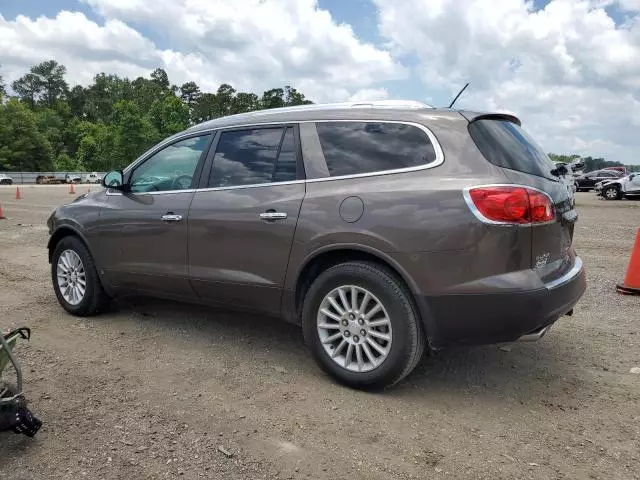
(475, 116)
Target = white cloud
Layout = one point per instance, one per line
(629, 5)
(369, 94)
(253, 45)
(568, 71)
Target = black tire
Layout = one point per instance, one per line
(408, 342)
(95, 299)
(6, 182)
(611, 193)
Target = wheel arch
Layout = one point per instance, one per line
(62, 232)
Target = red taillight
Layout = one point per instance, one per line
(510, 204)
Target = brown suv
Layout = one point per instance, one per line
(381, 228)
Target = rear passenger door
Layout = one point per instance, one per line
(242, 223)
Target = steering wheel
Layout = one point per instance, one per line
(182, 182)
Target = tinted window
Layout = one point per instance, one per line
(358, 147)
(245, 157)
(507, 145)
(286, 166)
(171, 168)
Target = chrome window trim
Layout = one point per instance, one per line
(485, 220)
(567, 277)
(439, 160)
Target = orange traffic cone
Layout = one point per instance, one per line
(18, 194)
(72, 189)
(2, 217)
(631, 285)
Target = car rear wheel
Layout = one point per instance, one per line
(361, 326)
(75, 279)
(611, 193)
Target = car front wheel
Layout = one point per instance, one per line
(75, 279)
(361, 326)
(611, 193)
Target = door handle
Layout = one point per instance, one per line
(271, 216)
(170, 217)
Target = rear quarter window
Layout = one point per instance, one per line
(507, 145)
(352, 148)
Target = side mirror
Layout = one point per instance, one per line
(114, 179)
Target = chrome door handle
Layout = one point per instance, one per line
(170, 217)
(273, 216)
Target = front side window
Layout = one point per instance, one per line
(172, 168)
(253, 157)
(352, 148)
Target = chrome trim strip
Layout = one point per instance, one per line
(567, 277)
(111, 193)
(483, 219)
(253, 185)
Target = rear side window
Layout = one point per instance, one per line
(352, 148)
(507, 145)
(254, 156)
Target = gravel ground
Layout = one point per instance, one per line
(155, 389)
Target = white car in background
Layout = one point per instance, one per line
(92, 178)
(5, 179)
(625, 187)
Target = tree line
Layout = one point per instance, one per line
(49, 125)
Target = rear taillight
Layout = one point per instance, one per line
(506, 204)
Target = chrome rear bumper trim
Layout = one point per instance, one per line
(567, 277)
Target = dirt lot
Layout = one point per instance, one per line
(153, 389)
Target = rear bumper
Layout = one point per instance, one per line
(483, 318)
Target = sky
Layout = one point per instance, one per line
(569, 69)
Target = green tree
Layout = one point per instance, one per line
(206, 108)
(245, 102)
(101, 96)
(190, 94)
(169, 115)
(293, 97)
(28, 88)
(97, 146)
(3, 91)
(160, 78)
(22, 145)
(273, 98)
(134, 132)
(50, 75)
(65, 163)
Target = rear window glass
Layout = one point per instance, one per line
(507, 145)
(352, 148)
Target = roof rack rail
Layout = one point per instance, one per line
(345, 105)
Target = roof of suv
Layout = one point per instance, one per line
(403, 110)
(386, 109)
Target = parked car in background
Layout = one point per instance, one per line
(5, 179)
(343, 218)
(50, 179)
(72, 178)
(92, 178)
(625, 187)
(623, 170)
(588, 181)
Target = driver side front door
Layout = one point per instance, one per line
(143, 231)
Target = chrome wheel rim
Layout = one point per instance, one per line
(72, 278)
(611, 193)
(354, 328)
